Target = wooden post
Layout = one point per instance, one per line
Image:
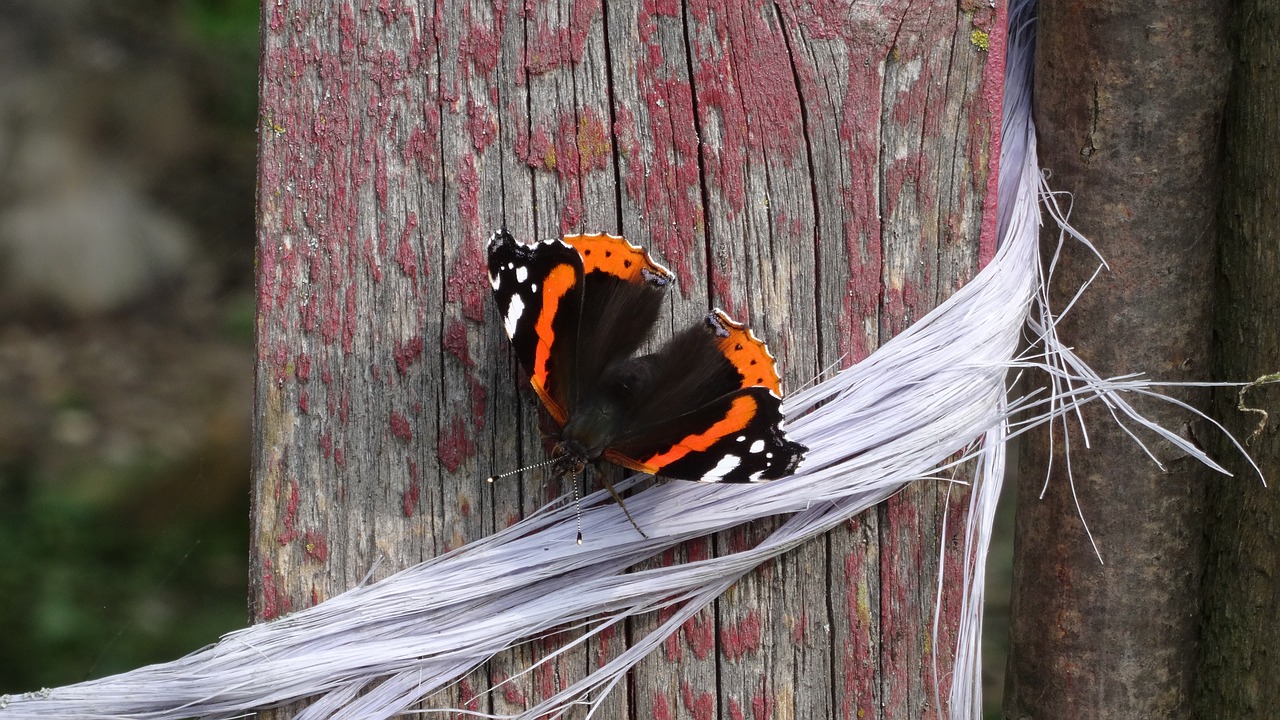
(825, 173)
(1240, 630)
(1129, 99)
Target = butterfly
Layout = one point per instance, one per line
(706, 405)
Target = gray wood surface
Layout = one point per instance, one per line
(825, 173)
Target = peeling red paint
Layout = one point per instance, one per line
(414, 491)
(699, 633)
(662, 706)
(315, 546)
(762, 707)
(741, 638)
(455, 342)
(304, 402)
(987, 124)
(290, 518)
(735, 710)
(400, 426)
(469, 280)
(481, 125)
(469, 197)
(701, 705)
(510, 691)
(468, 696)
(275, 601)
(407, 353)
(456, 445)
(302, 368)
(406, 256)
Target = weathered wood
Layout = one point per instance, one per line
(826, 174)
(1129, 99)
(1239, 665)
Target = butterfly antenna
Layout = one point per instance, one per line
(544, 463)
(577, 504)
(618, 499)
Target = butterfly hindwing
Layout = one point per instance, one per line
(707, 387)
(735, 438)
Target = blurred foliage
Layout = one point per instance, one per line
(113, 559)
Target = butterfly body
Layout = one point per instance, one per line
(703, 406)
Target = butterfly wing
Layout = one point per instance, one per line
(709, 410)
(539, 290)
(574, 308)
(624, 290)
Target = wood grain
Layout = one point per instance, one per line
(825, 173)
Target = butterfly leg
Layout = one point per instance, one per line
(618, 499)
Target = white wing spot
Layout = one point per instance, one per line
(522, 274)
(533, 287)
(724, 467)
(494, 281)
(514, 311)
(757, 446)
(742, 438)
(755, 476)
(769, 455)
(511, 266)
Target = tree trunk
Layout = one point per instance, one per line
(1129, 101)
(827, 175)
(1240, 664)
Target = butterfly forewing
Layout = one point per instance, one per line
(539, 291)
(686, 422)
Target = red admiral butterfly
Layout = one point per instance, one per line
(705, 406)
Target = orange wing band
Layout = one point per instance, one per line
(617, 257)
(739, 416)
(557, 284)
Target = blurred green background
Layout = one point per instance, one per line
(127, 153)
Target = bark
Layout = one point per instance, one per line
(1239, 661)
(1129, 101)
(826, 174)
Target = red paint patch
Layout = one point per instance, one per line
(407, 354)
(469, 281)
(275, 602)
(414, 491)
(290, 518)
(701, 705)
(304, 403)
(742, 638)
(762, 707)
(315, 546)
(456, 446)
(468, 695)
(700, 634)
(400, 426)
(302, 368)
(455, 342)
(482, 125)
(406, 256)
(661, 706)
